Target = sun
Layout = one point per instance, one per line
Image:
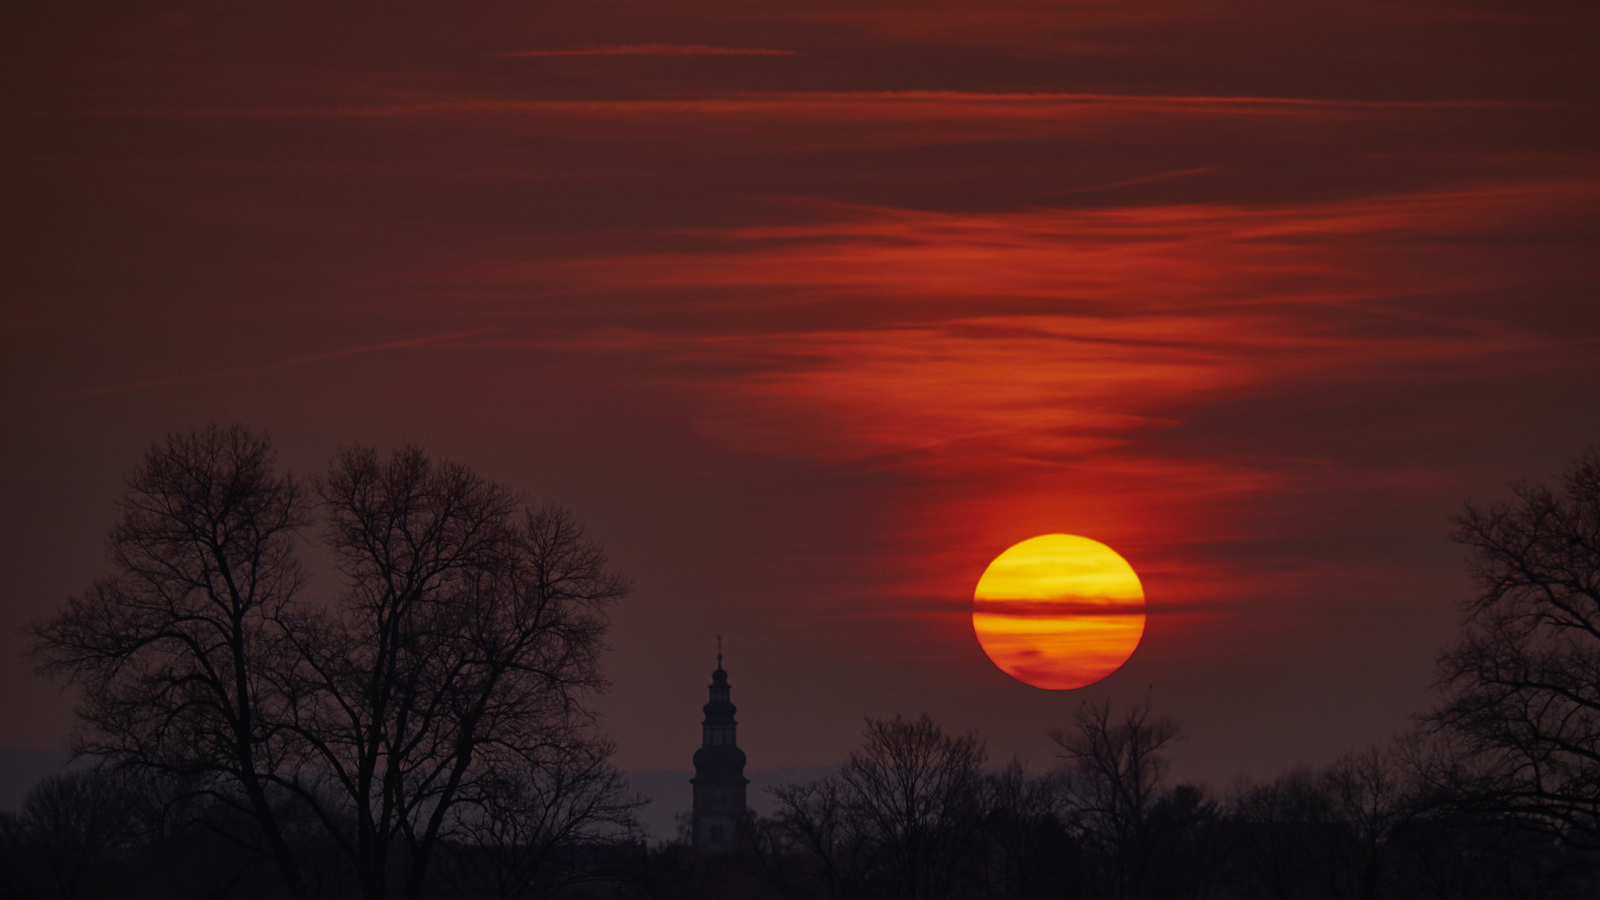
(1059, 611)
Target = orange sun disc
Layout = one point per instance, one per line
(1059, 611)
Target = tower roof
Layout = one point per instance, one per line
(719, 759)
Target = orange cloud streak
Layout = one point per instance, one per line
(1189, 262)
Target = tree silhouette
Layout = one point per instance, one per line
(455, 659)
(513, 839)
(73, 833)
(173, 653)
(1028, 832)
(1115, 768)
(1279, 835)
(1372, 801)
(815, 845)
(1520, 721)
(900, 819)
(918, 789)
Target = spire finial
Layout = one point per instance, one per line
(719, 651)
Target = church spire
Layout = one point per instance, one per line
(719, 782)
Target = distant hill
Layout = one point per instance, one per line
(20, 770)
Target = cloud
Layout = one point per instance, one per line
(248, 371)
(873, 106)
(960, 345)
(1048, 608)
(653, 50)
(1139, 257)
(1131, 182)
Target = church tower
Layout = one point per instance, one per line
(719, 782)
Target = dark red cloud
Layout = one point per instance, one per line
(651, 50)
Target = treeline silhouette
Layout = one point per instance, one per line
(422, 732)
(912, 814)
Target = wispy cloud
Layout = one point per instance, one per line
(1132, 182)
(874, 106)
(129, 387)
(653, 50)
(1214, 262)
(1095, 27)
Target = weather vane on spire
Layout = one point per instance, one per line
(719, 651)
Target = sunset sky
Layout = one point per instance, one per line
(810, 310)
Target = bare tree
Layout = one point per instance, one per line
(900, 819)
(1282, 848)
(1115, 769)
(1372, 801)
(76, 830)
(1521, 710)
(457, 662)
(1029, 837)
(458, 655)
(170, 651)
(917, 787)
(521, 833)
(378, 694)
(815, 845)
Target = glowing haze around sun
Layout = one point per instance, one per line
(1059, 611)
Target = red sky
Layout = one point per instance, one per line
(811, 310)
